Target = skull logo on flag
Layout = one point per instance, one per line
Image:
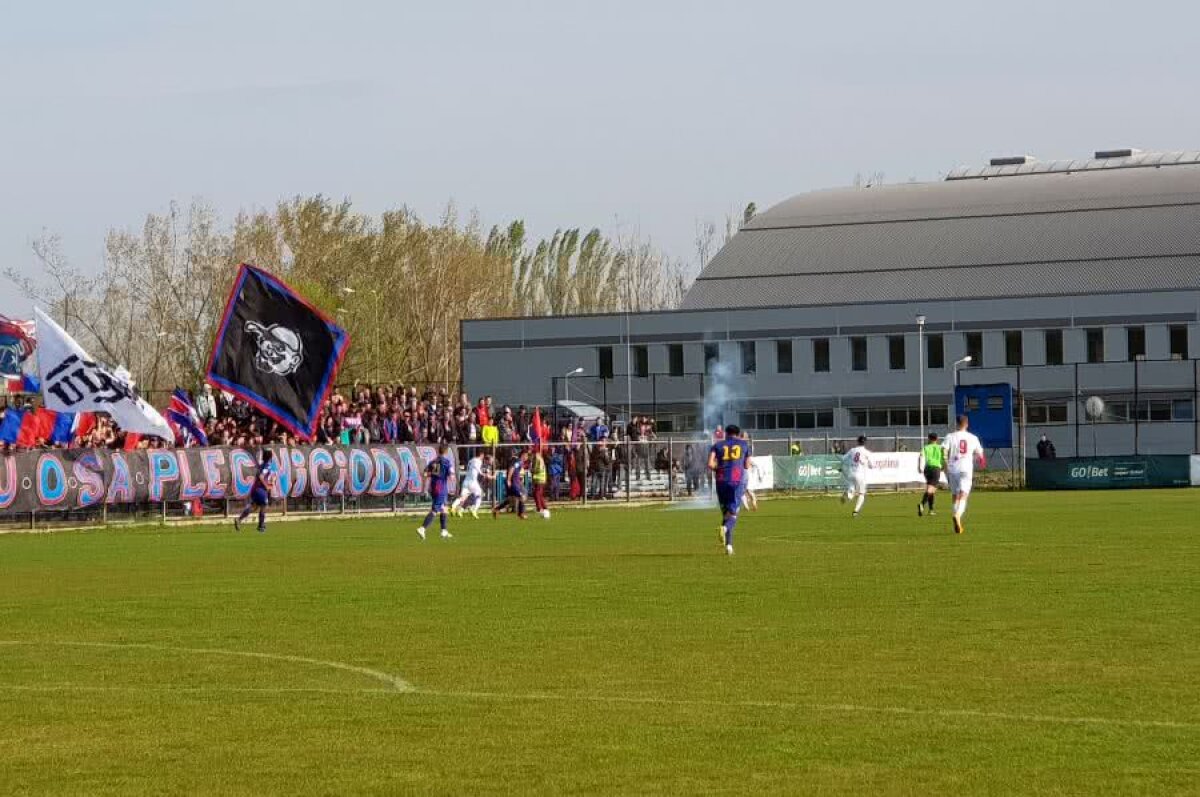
(279, 349)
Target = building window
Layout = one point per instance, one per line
(675, 359)
(749, 357)
(787, 419)
(641, 361)
(1149, 411)
(1179, 343)
(1014, 354)
(975, 348)
(820, 351)
(783, 356)
(1135, 337)
(880, 417)
(896, 352)
(1054, 346)
(712, 356)
(858, 354)
(1095, 345)
(1044, 414)
(606, 362)
(935, 351)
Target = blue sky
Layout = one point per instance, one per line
(647, 115)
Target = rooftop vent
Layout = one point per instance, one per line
(1105, 154)
(1013, 160)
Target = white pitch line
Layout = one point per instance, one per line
(820, 707)
(190, 690)
(395, 683)
(398, 685)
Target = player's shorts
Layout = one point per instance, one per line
(960, 482)
(259, 497)
(729, 496)
(439, 501)
(933, 476)
(856, 483)
(471, 488)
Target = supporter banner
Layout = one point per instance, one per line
(66, 479)
(808, 472)
(899, 467)
(1108, 473)
(824, 471)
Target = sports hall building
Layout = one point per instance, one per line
(1065, 279)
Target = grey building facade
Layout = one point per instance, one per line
(1065, 279)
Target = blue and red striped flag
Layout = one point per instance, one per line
(27, 427)
(17, 341)
(71, 425)
(26, 384)
(184, 420)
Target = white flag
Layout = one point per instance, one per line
(73, 382)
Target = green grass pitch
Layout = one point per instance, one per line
(1054, 649)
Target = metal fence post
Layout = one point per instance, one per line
(670, 469)
(896, 448)
(583, 449)
(628, 467)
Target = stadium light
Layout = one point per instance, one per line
(567, 382)
(964, 361)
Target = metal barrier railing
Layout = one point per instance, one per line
(674, 467)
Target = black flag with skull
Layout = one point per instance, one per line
(276, 351)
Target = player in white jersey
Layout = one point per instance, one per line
(855, 465)
(749, 499)
(471, 496)
(963, 451)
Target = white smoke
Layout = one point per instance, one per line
(721, 393)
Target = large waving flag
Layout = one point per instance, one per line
(276, 351)
(17, 342)
(185, 421)
(73, 382)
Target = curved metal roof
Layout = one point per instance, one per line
(1068, 232)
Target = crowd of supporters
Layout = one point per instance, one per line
(581, 455)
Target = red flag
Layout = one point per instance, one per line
(36, 427)
(87, 422)
(538, 430)
(131, 440)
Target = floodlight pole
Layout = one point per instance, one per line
(964, 361)
(628, 374)
(921, 375)
(567, 382)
